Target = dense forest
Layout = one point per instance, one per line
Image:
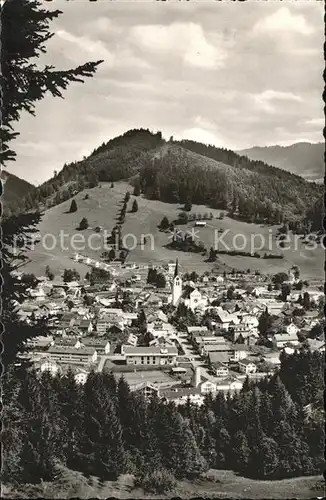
(270, 429)
(177, 172)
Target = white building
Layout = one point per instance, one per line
(176, 286)
(247, 367)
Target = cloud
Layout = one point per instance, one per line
(283, 20)
(86, 47)
(231, 74)
(201, 135)
(269, 98)
(184, 40)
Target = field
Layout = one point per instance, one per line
(61, 239)
(222, 484)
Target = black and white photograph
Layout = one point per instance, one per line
(163, 249)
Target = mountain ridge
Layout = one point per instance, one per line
(216, 177)
(302, 158)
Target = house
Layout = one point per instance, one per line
(146, 389)
(64, 354)
(218, 357)
(149, 355)
(181, 395)
(153, 299)
(207, 386)
(316, 345)
(205, 349)
(84, 325)
(272, 358)
(68, 341)
(246, 366)
(41, 342)
(158, 328)
(161, 341)
(128, 318)
(281, 339)
(208, 339)
(249, 338)
(221, 370)
(102, 346)
(203, 384)
(196, 330)
(49, 366)
(226, 319)
(102, 326)
(132, 339)
(80, 373)
(292, 329)
(273, 307)
(229, 385)
(239, 329)
(240, 351)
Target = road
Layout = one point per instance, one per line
(197, 361)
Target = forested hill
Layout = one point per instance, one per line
(15, 188)
(188, 171)
(238, 161)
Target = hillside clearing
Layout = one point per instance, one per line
(225, 484)
(102, 209)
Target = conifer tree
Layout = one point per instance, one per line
(134, 206)
(100, 451)
(39, 451)
(240, 452)
(83, 224)
(25, 31)
(69, 395)
(73, 206)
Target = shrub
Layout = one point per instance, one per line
(158, 481)
(164, 224)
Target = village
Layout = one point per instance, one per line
(192, 336)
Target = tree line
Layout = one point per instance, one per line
(104, 429)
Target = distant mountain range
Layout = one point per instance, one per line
(303, 158)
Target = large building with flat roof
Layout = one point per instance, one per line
(150, 355)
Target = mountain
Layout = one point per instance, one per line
(15, 189)
(180, 171)
(303, 158)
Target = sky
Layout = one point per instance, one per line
(231, 74)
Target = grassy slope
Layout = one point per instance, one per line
(227, 485)
(102, 208)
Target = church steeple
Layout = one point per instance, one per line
(177, 285)
(176, 269)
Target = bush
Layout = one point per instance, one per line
(158, 481)
(164, 224)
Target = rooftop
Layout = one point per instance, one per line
(148, 351)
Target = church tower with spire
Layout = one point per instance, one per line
(176, 286)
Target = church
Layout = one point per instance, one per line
(189, 295)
